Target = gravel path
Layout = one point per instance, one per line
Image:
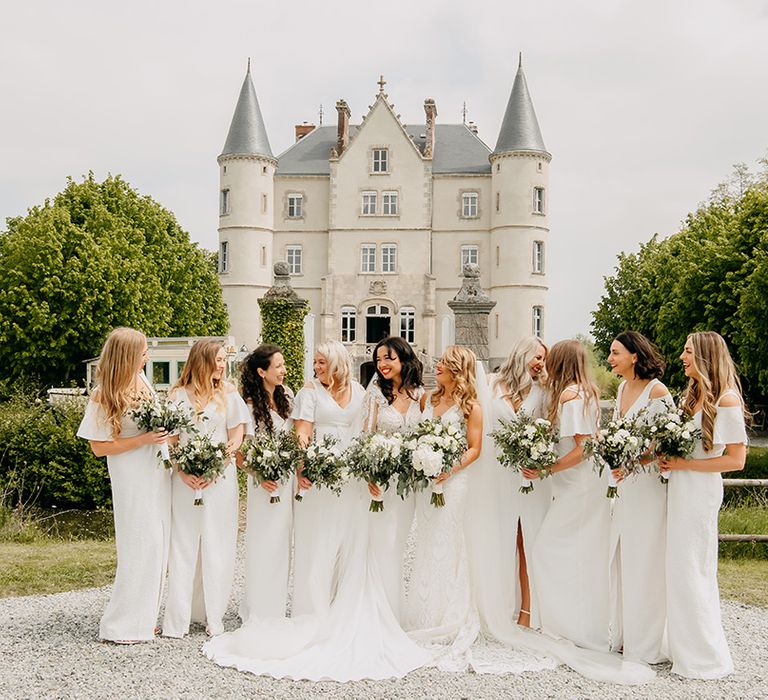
(48, 649)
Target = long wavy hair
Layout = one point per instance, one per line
(198, 375)
(339, 366)
(252, 387)
(650, 364)
(717, 374)
(119, 362)
(514, 377)
(567, 365)
(460, 362)
(410, 372)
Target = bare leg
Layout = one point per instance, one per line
(525, 592)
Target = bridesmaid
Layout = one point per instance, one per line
(393, 404)
(569, 560)
(141, 492)
(713, 397)
(639, 520)
(269, 525)
(203, 539)
(330, 404)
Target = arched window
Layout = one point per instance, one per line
(348, 324)
(377, 323)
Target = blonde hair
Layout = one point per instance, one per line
(339, 366)
(198, 375)
(717, 374)
(567, 365)
(460, 362)
(514, 377)
(119, 362)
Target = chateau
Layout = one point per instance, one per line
(377, 219)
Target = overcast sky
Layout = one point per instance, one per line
(644, 106)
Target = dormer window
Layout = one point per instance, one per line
(380, 162)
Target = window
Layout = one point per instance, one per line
(380, 160)
(538, 200)
(469, 205)
(348, 324)
(295, 209)
(224, 170)
(367, 257)
(180, 367)
(538, 166)
(223, 257)
(389, 203)
(498, 256)
(389, 257)
(263, 203)
(470, 254)
(538, 321)
(369, 204)
(408, 324)
(224, 204)
(161, 373)
(498, 201)
(263, 256)
(538, 257)
(293, 257)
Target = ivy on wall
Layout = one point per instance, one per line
(282, 323)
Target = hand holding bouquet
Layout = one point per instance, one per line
(159, 413)
(201, 457)
(526, 443)
(620, 445)
(325, 465)
(375, 458)
(672, 433)
(271, 456)
(434, 448)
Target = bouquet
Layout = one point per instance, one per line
(324, 465)
(526, 443)
(620, 445)
(271, 456)
(434, 448)
(200, 456)
(375, 458)
(672, 434)
(159, 413)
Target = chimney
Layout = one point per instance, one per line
(431, 111)
(303, 129)
(343, 133)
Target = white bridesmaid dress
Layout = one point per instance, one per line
(322, 519)
(268, 544)
(389, 529)
(638, 551)
(569, 562)
(697, 643)
(204, 538)
(141, 503)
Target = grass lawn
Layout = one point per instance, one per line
(745, 580)
(52, 566)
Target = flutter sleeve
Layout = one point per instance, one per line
(305, 405)
(94, 425)
(576, 418)
(238, 413)
(729, 426)
(373, 401)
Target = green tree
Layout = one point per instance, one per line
(99, 255)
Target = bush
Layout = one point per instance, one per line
(43, 461)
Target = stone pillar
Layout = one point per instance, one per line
(282, 319)
(471, 308)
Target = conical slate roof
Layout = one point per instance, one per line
(520, 129)
(247, 134)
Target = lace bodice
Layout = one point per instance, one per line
(382, 417)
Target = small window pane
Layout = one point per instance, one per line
(161, 373)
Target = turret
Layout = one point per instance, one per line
(519, 222)
(246, 215)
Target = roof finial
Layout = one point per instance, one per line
(249, 65)
(520, 60)
(464, 113)
(321, 114)
(381, 82)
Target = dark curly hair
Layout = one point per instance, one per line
(411, 368)
(650, 364)
(252, 387)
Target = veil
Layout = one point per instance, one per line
(490, 524)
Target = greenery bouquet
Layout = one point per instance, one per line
(620, 445)
(672, 433)
(526, 443)
(201, 457)
(433, 448)
(375, 458)
(160, 413)
(325, 465)
(271, 456)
